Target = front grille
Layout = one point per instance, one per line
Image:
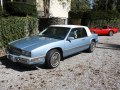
(14, 50)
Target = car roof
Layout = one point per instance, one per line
(68, 26)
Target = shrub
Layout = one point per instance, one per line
(12, 28)
(32, 25)
(20, 9)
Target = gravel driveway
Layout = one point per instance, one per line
(99, 70)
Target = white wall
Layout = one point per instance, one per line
(59, 8)
(40, 7)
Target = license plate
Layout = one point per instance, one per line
(21, 60)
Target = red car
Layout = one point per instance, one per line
(105, 30)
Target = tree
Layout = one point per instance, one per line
(46, 4)
(77, 5)
(106, 4)
(91, 3)
(112, 4)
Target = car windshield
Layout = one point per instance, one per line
(55, 32)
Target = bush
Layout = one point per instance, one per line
(32, 25)
(12, 28)
(20, 9)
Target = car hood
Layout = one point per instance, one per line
(30, 43)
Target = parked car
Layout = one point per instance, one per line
(51, 45)
(104, 30)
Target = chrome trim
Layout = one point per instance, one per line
(28, 59)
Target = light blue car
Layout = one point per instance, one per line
(51, 45)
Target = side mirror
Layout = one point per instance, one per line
(70, 38)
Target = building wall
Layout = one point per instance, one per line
(59, 8)
(40, 8)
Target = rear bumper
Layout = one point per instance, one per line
(26, 60)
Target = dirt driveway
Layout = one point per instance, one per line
(99, 70)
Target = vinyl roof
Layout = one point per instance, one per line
(69, 26)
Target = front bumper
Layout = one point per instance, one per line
(26, 60)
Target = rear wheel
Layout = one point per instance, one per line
(53, 58)
(110, 33)
(92, 46)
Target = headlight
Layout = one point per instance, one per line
(26, 53)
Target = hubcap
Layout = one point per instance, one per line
(55, 59)
(93, 46)
(111, 33)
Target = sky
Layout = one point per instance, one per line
(91, 3)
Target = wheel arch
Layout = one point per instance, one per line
(58, 48)
(111, 31)
(93, 40)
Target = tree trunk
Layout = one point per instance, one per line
(46, 4)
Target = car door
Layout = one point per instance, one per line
(102, 30)
(98, 30)
(77, 41)
(105, 30)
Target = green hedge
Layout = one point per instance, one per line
(12, 28)
(20, 9)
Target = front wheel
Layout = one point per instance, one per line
(53, 58)
(110, 33)
(92, 46)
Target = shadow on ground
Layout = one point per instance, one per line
(108, 46)
(21, 67)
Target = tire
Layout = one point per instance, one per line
(110, 33)
(53, 58)
(92, 47)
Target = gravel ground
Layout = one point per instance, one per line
(99, 70)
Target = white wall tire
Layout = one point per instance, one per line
(53, 58)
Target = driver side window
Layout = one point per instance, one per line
(78, 33)
(73, 34)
